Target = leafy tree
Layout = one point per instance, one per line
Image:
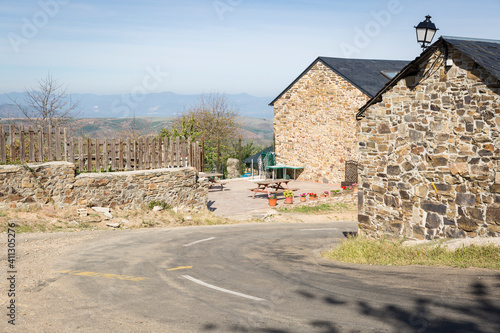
(213, 120)
(184, 127)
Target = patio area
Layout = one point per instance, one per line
(236, 200)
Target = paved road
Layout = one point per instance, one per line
(255, 278)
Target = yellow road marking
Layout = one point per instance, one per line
(179, 268)
(105, 276)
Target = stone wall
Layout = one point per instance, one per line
(56, 183)
(315, 125)
(429, 155)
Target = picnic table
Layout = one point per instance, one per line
(276, 185)
(213, 178)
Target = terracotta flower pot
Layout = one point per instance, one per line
(289, 200)
(355, 189)
(303, 199)
(272, 202)
(313, 198)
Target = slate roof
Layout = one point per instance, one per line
(484, 52)
(255, 157)
(364, 74)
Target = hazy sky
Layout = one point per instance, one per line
(199, 46)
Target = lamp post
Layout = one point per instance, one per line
(425, 31)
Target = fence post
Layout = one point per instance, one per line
(12, 134)
(65, 134)
(120, 154)
(136, 158)
(202, 157)
(129, 155)
(183, 152)
(58, 143)
(40, 144)
(171, 147)
(177, 151)
(195, 156)
(3, 154)
(32, 143)
(89, 155)
(97, 155)
(165, 153)
(49, 142)
(113, 155)
(105, 155)
(72, 150)
(189, 153)
(160, 153)
(80, 154)
(153, 153)
(22, 147)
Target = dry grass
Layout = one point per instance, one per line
(361, 250)
(53, 220)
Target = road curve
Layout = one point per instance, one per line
(254, 278)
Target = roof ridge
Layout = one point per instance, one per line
(472, 39)
(357, 59)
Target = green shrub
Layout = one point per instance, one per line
(152, 204)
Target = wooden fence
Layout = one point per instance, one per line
(20, 144)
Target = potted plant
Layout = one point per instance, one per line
(355, 187)
(288, 197)
(334, 192)
(303, 197)
(272, 199)
(313, 196)
(324, 194)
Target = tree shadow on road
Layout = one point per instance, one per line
(474, 310)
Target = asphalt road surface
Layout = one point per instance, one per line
(252, 278)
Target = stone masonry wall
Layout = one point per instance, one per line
(429, 155)
(315, 125)
(55, 183)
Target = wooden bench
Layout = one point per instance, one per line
(217, 182)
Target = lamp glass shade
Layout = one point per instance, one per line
(430, 35)
(426, 31)
(421, 34)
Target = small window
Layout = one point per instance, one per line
(389, 74)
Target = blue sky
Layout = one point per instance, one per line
(199, 46)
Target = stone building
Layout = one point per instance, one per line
(314, 117)
(430, 145)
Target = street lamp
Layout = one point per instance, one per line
(426, 31)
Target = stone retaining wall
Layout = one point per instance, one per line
(430, 154)
(56, 183)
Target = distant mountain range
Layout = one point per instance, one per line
(166, 104)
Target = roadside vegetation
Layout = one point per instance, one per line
(338, 207)
(55, 220)
(360, 250)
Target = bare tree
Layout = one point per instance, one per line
(48, 105)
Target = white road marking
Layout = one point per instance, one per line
(203, 240)
(221, 289)
(319, 229)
